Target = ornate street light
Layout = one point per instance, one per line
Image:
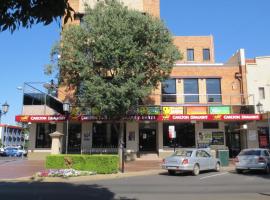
(259, 107)
(66, 109)
(4, 110)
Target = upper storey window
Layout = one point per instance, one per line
(191, 90)
(206, 54)
(213, 89)
(190, 54)
(169, 90)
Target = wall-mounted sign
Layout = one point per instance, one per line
(204, 139)
(206, 117)
(210, 117)
(217, 138)
(196, 110)
(219, 110)
(151, 110)
(172, 110)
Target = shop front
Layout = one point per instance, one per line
(145, 133)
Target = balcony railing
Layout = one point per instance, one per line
(199, 99)
(36, 94)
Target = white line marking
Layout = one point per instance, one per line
(214, 175)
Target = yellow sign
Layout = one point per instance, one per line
(172, 110)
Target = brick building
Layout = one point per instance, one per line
(205, 103)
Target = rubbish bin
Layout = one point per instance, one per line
(223, 156)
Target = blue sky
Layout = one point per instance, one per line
(233, 23)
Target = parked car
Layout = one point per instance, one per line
(1, 151)
(253, 159)
(14, 151)
(23, 150)
(194, 160)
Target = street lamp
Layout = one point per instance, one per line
(4, 110)
(259, 107)
(66, 109)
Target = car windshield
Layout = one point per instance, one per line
(11, 149)
(183, 153)
(250, 153)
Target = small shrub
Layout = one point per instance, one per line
(102, 164)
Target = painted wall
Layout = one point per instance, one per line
(132, 145)
(258, 75)
(86, 136)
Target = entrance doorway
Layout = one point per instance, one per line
(233, 140)
(147, 137)
(74, 138)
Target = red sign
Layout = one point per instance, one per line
(225, 117)
(209, 117)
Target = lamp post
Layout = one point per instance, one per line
(66, 109)
(4, 110)
(259, 106)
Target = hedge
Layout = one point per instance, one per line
(101, 164)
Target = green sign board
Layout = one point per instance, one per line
(153, 110)
(219, 110)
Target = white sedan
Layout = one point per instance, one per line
(194, 160)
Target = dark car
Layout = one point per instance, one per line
(12, 152)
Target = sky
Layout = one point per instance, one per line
(234, 24)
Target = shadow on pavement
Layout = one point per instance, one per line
(250, 173)
(180, 173)
(55, 191)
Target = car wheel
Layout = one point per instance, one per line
(267, 169)
(171, 172)
(217, 168)
(239, 171)
(196, 170)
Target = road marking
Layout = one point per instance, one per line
(213, 175)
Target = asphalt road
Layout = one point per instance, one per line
(208, 186)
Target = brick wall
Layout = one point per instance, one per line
(198, 43)
(230, 87)
(152, 7)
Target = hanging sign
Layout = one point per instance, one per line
(172, 133)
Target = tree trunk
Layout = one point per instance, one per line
(121, 146)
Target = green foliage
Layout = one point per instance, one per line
(102, 164)
(14, 13)
(115, 58)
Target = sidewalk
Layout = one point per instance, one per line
(20, 168)
(24, 170)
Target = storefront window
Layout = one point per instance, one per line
(185, 135)
(105, 135)
(263, 137)
(43, 139)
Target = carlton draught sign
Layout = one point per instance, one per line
(172, 133)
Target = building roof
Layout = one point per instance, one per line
(10, 126)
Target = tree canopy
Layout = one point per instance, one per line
(25, 13)
(115, 58)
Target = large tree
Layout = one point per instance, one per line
(16, 13)
(115, 58)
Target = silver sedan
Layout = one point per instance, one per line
(253, 159)
(194, 160)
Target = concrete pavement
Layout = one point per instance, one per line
(24, 170)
